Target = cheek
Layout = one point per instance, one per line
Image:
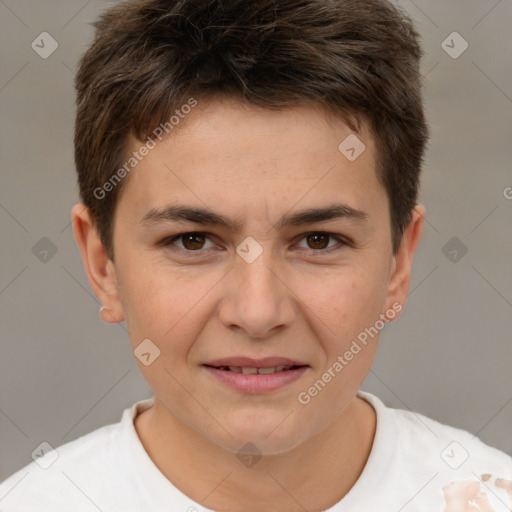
(163, 305)
(350, 308)
(166, 309)
(347, 302)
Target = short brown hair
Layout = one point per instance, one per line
(358, 58)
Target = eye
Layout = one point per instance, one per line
(319, 241)
(193, 241)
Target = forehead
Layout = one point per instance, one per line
(231, 153)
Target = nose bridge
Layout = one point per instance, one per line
(255, 263)
(259, 301)
(259, 279)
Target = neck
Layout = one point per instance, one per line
(313, 476)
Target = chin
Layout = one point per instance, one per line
(264, 438)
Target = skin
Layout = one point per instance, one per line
(295, 300)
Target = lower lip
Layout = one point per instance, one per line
(256, 383)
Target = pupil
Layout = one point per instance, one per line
(194, 238)
(316, 241)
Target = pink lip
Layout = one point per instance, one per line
(266, 362)
(256, 383)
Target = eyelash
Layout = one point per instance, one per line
(342, 242)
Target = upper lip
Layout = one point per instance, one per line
(248, 362)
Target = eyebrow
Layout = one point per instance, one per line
(173, 213)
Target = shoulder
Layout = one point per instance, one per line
(448, 463)
(455, 448)
(440, 444)
(63, 475)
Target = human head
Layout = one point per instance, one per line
(252, 155)
(358, 59)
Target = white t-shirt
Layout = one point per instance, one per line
(416, 464)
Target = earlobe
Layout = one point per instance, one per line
(400, 276)
(107, 316)
(99, 268)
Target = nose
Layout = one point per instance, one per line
(256, 299)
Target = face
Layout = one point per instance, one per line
(287, 265)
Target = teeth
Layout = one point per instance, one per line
(251, 370)
(266, 371)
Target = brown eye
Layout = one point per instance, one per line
(318, 240)
(193, 241)
(186, 243)
(323, 243)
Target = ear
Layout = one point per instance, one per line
(100, 269)
(400, 278)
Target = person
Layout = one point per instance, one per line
(249, 174)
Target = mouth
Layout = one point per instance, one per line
(251, 370)
(256, 376)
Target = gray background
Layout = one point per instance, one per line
(64, 373)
